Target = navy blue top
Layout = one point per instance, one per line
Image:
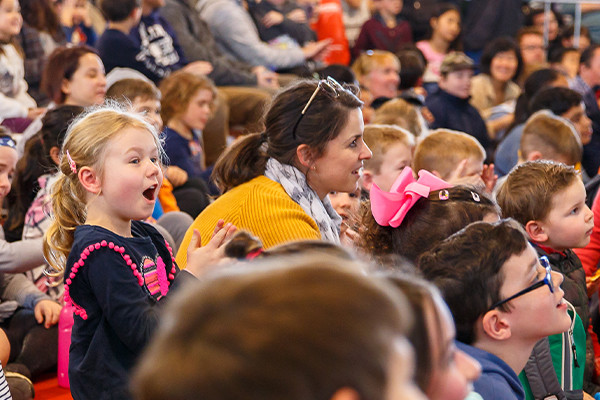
(452, 112)
(498, 381)
(121, 314)
(117, 49)
(183, 153)
(159, 49)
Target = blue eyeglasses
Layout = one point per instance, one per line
(546, 281)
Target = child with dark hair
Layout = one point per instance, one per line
(502, 298)
(444, 27)
(415, 214)
(548, 199)
(565, 59)
(385, 30)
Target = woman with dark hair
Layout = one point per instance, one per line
(500, 64)
(75, 76)
(275, 183)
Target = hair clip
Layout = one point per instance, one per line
(390, 208)
(71, 163)
(444, 194)
(475, 197)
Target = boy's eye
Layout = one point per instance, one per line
(352, 195)
(154, 160)
(575, 210)
(134, 161)
(333, 193)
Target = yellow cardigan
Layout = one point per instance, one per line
(260, 206)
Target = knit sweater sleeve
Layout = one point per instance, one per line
(261, 207)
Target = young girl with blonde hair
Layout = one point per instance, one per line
(117, 270)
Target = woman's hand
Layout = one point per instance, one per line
(200, 258)
(48, 312)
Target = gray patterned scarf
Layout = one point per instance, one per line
(295, 185)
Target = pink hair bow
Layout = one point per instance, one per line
(390, 208)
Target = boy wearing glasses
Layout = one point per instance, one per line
(548, 199)
(502, 298)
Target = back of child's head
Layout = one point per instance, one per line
(559, 100)
(177, 91)
(341, 73)
(443, 150)
(554, 138)
(372, 59)
(84, 145)
(380, 138)
(118, 10)
(128, 90)
(467, 268)
(527, 193)
(429, 220)
(244, 246)
(399, 112)
(413, 67)
(236, 335)
(36, 161)
(556, 55)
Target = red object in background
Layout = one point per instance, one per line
(330, 25)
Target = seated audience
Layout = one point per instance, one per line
(444, 37)
(548, 199)
(294, 300)
(454, 157)
(278, 22)
(500, 64)
(506, 153)
(450, 105)
(237, 36)
(385, 30)
(275, 183)
(392, 149)
(443, 372)
(513, 300)
(415, 214)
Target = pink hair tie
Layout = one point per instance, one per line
(390, 208)
(71, 163)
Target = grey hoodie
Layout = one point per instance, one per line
(236, 35)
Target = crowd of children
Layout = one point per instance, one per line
(226, 213)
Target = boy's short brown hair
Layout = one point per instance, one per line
(380, 138)
(443, 150)
(399, 112)
(177, 90)
(130, 89)
(552, 136)
(527, 193)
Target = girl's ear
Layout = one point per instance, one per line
(89, 180)
(433, 22)
(55, 155)
(495, 325)
(345, 394)
(535, 230)
(65, 86)
(305, 156)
